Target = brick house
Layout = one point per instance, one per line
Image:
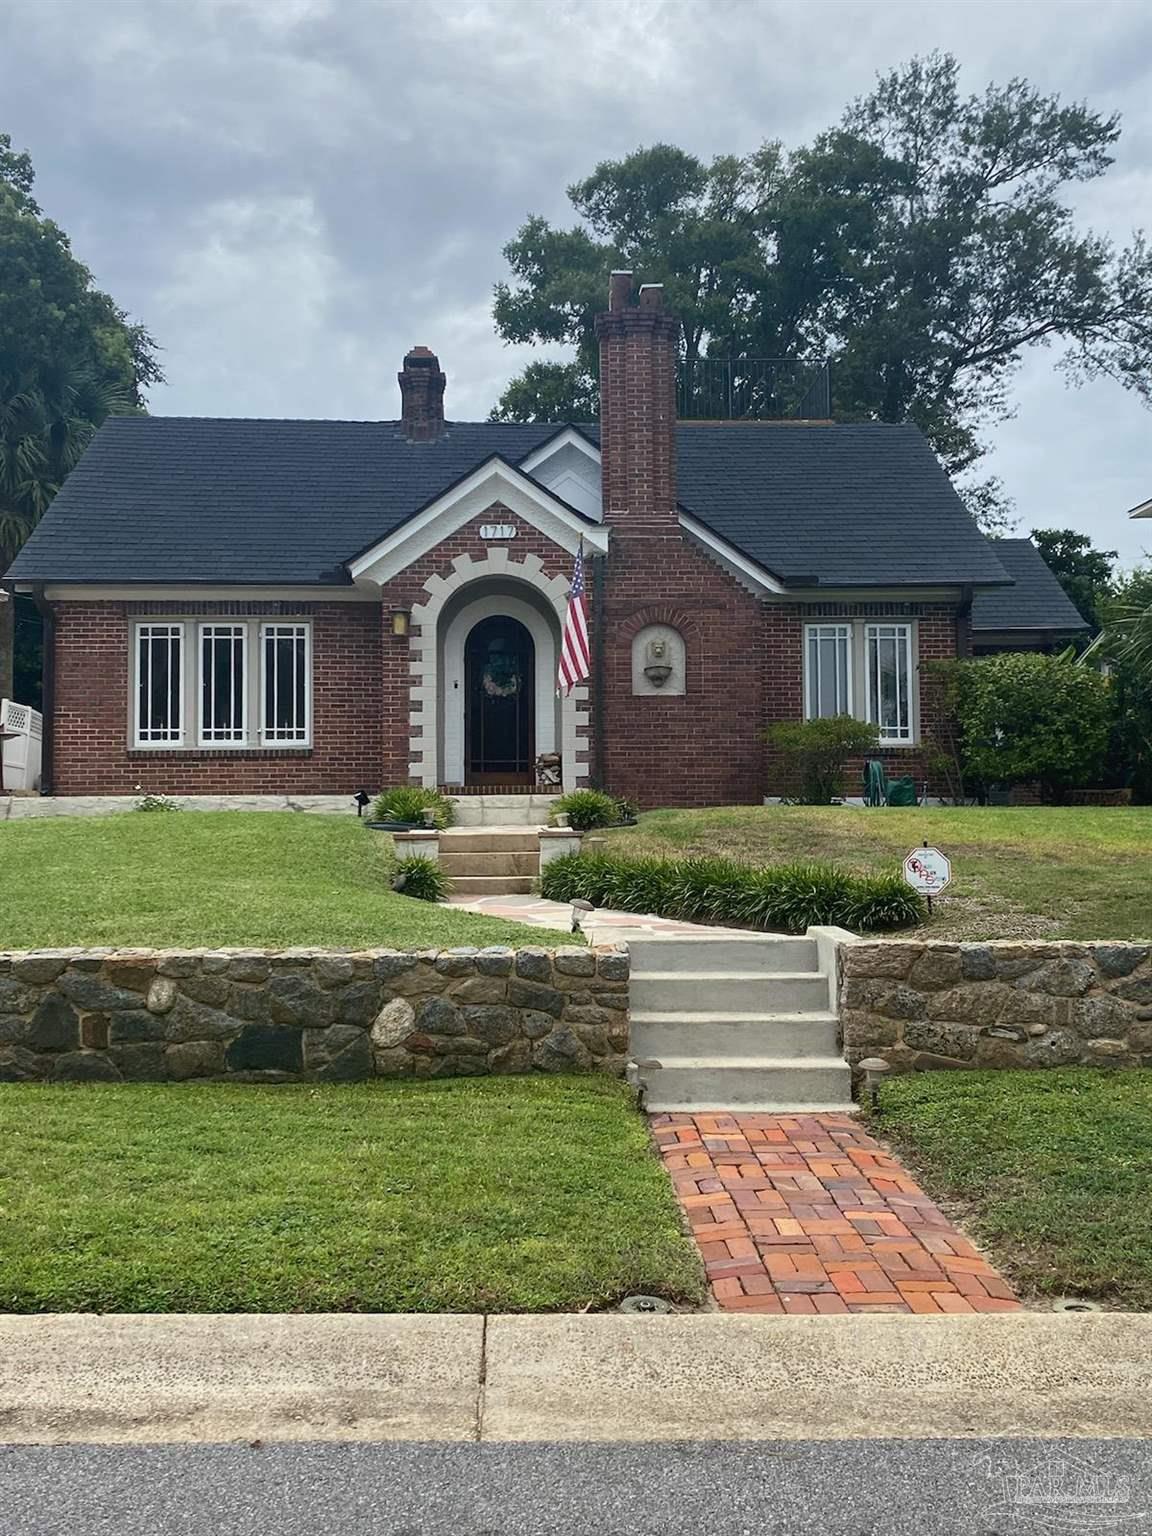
(238, 606)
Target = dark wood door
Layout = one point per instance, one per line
(499, 683)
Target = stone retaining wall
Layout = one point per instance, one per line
(301, 1014)
(1002, 1004)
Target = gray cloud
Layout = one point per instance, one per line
(292, 192)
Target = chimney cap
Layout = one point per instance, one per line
(619, 290)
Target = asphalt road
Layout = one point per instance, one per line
(835, 1488)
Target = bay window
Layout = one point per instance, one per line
(865, 670)
(222, 684)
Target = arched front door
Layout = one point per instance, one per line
(500, 689)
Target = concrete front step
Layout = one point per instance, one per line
(498, 840)
(736, 1036)
(725, 992)
(759, 952)
(492, 885)
(457, 864)
(766, 1085)
(503, 810)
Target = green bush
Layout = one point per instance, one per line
(408, 802)
(784, 898)
(422, 878)
(814, 754)
(587, 809)
(1028, 718)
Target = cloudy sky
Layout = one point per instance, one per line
(292, 192)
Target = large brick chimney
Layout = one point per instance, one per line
(638, 355)
(422, 396)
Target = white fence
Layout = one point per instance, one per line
(21, 740)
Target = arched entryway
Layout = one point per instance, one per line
(499, 703)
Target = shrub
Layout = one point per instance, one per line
(151, 802)
(1026, 717)
(408, 802)
(815, 753)
(424, 879)
(587, 809)
(784, 898)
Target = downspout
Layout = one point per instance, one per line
(598, 671)
(47, 687)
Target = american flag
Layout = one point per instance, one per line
(574, 654)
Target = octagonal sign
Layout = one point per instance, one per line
(927, 870)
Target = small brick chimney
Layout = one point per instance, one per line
(422, 396)
(638, 356)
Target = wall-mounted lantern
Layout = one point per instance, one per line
(401, 620)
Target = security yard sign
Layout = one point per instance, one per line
(927, 870)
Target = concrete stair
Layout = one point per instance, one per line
(499, 862)
(733, 1021)
(503, 810)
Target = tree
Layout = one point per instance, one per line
(923, 244)
(1125, 643)
(1083, 571)
(69, 357)
(1030, 718)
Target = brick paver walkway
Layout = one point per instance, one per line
(807, 1213)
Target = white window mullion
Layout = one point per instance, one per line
(827, 670)
(223, 687)
(888, 659)
(159, 685)
(285, 685)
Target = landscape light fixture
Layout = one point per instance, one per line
(874, 1068)
(579, 908)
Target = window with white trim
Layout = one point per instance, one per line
(285, 664)
(160, 684)
(865, 670)
(828, 670)
(223, 684)
(889, 662)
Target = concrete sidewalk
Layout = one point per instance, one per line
(146, 1379)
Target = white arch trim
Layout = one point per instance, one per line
(427, 757)
(455, 699)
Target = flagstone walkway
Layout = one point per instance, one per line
(808, 1213)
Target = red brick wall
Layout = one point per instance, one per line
(703, 747)
(743, 657)
(92, 754)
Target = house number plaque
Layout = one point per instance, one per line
(498, 530)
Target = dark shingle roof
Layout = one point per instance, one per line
(183, 499)
(1036, 601)
(851, 505)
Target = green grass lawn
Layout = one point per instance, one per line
(1043, 873)
(469, 1195)
(193, 878)
(1052, 1170)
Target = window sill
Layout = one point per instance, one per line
(182, 754)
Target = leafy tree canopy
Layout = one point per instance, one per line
(69, 356)
(1083, 571)
(923, 244)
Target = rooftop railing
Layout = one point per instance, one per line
(753, 389)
